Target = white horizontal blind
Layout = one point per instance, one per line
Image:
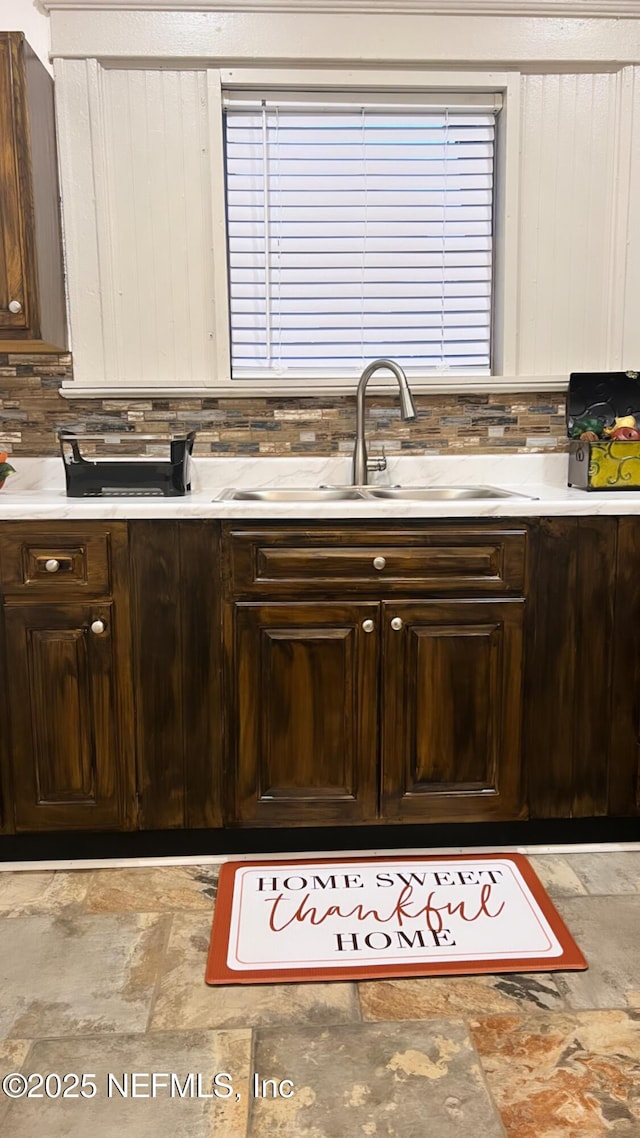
(358, 231)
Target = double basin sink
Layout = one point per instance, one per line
(366, 493)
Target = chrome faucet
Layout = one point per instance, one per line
(361, 465)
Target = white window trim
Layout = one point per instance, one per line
(506, 215)
(523, 9)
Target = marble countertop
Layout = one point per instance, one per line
(37, 490)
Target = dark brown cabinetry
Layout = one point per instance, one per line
(191, 674)
(32, 305)
(68, 758)
(582, 721)
(62, 694)
(176, 632)
(346, 709)
(304, 725)
(451, 710)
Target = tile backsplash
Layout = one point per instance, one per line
(32, 411)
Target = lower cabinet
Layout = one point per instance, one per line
(451, 694)
(305, 713)
(63, 708)
(402, 711)
(67, 750)
(382, 709)
(188, 674)
(582, 687)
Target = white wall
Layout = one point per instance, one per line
(141, 306)
(26, 16)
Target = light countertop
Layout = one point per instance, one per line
(37, 490)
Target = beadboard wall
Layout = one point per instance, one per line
(139, 87)
(569, 300)
(32, 411)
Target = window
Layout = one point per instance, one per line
(359, 225)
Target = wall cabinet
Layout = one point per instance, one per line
(403, 709)
(32, 303)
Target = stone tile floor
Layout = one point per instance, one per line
(101, 973)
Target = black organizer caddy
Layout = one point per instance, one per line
(129, 476)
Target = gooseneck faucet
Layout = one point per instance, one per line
(361, 465)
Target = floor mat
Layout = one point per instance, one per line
(370, 917)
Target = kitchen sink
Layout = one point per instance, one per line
(286, 494)
(441, 493)
(364, 493)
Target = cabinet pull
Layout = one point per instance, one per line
(61, 564)
(97, 627)
(379, 562)
(368, 625)
(15, 307)
(396, 623)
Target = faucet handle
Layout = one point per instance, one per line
(377, 463)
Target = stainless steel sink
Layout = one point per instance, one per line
(441, 493)
(287, 494)
(364, 493)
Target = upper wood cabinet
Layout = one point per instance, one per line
(32, 304)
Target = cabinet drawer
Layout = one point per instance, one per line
(55, 561)
(439, 560)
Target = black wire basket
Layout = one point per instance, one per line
(109, 474)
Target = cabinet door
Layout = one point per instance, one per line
(12, 229)
(304, 722)
(451, 693)
(66, 746)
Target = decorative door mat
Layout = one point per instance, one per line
(374, 917)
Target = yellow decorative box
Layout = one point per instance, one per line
(604, 465)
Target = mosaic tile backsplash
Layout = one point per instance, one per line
(32, 411)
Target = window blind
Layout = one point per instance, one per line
(358, 231)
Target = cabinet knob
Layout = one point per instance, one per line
(396, 623)
(379, 562)
(368, 625)
(15, 307)
(97, 626)
(52, 565)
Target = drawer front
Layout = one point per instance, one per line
(55, 562)
(440, 561)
